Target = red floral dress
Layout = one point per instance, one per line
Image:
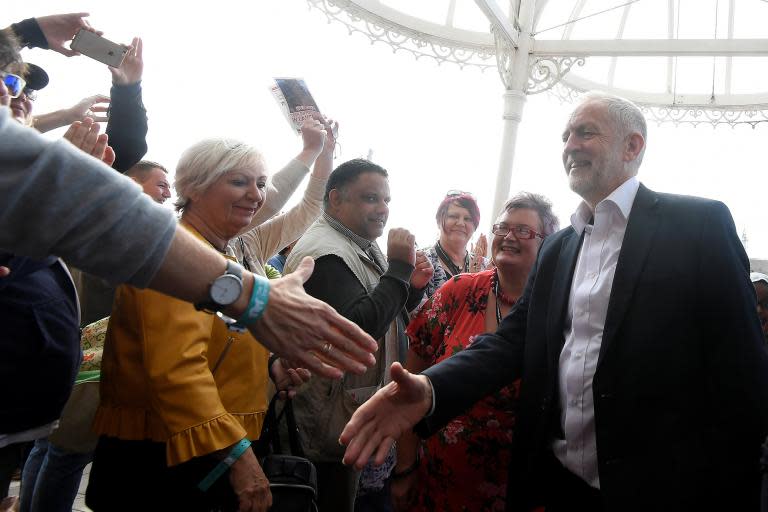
(465, 464)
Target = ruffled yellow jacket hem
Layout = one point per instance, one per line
(158, 381)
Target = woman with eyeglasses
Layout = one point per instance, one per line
(464, 466)
(457, 219)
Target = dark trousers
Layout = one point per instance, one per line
(375, 501)
(133, 475)
(569, 493)
(12, 457)
(336, 486)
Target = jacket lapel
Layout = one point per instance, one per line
(643, 222)
(558, 302)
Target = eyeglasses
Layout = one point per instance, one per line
(521, 231)
(14, 83)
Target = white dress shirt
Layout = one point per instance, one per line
(585, 321)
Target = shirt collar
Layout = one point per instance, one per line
(622, 198)
(363, 243)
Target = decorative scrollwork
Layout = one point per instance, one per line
(678, 114)
(706, 114)
(546, 72)
(381, 30)
(505, 57)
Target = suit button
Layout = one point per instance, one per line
(606, 396)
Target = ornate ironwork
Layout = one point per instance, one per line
(381, 30)
(706, 114)
(546, 72)
(677, 114)
(505, 57)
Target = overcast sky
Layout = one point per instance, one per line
(208, 67)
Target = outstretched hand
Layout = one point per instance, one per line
(132, 68)
(94, 107)
(309, 332)
(61, 28)
(380, 421)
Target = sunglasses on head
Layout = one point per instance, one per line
(14, 83)
(458, 193)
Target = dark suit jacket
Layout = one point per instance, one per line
(681, 387)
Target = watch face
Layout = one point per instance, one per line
(226, 289)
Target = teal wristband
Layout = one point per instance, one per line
(258, 302)
(224, 465)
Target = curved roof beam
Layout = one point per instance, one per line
(619, 34)
(499, 19)
(540, 5)
(575, 13)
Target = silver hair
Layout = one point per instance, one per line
(205, 162)
(628, 117)
(538, 203)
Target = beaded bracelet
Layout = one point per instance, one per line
(224, 465)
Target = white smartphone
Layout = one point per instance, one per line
(96, 47)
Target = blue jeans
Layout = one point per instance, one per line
(51, 478)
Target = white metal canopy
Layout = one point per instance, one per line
(682, 61)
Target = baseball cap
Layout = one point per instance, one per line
(36, 77)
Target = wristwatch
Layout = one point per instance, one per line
(224, 290)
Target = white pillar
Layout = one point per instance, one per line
(514, 101)
(516, 82)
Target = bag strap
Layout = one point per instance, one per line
(293, 430)
(269, 440)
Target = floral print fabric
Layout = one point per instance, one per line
(465, 464)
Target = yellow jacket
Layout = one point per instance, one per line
(156, 380)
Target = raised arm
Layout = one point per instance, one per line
(285, 182)
(52, 32)
(127, 127)
(278, 232)
(94, 107)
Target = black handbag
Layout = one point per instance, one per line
(292, 477)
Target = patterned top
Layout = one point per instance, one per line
(465, 464)
(441, 274)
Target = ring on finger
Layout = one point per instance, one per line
(327, 348)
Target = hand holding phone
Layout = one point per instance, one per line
(99, 48)
(132, 68)
(59, 29)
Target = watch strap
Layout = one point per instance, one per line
(211, 306)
